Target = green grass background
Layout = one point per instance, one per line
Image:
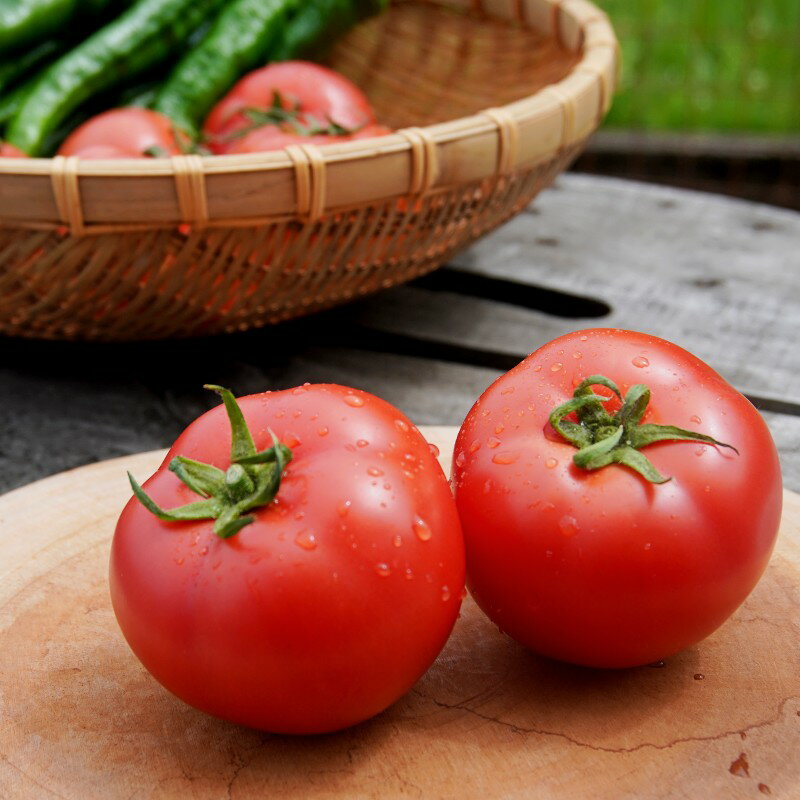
(708, 65)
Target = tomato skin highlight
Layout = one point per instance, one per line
(328, 607)
(602, 568)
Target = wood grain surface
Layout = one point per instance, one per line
(80, 717)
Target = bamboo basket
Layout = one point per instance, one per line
(491, 101)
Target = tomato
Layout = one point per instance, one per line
(308, 96)
(123, 133)
(9, 151)
(271, 137)
(601, 566)
(331, 602)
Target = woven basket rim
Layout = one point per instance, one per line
(592, 80)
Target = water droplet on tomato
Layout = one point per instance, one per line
(297, 413)
(505, 458)
(706, 488)
(445, 593)
(299, 390)
(344, 508)
(300, 515)
(551, 463)
(498, 429)
(508, 390)
(362, 443)
(180, 560)
(401, 425)
(557, 367)
(290, 439)
(323, 431)
(698, 676)
(487, 487)
(383, 569)
(460, 458)
(641, 362)
(434, 450)
(397, 541)
(421, 529)
(537, 368)
(475, 446)
(568, 526)
(694, 418)
(204, 551)
(306, 540)
(584, 338)
(374, 471)
(577, 355)
(409, 573)
(492, 442)
(409, 474)
(354, 400)
(647, 545)
(410, 457)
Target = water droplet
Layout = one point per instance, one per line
(508, 390)
(401, 425)
(647, 545)
(641, 362)
(323, 431)
(557, 367)
(537, 368)
(387, 486)
(492, 442)
(409, 474)
(409, 573)
(397, 541)
(698, 676)
(344, 508)
(279, 415)
(383, 569)
(421, 529)
(180, 560)
(299, 390)
(498, 429)
(434, 450)
(300, 515)
(204, 551)
(445, 594)
(362, 443)
(658, 664)
(551, 463)
(694, 418)
(505, 458)
(547, 507)
(374, 471)
(568, 526)
(475, 446)
(354, 400)
(548, 553)
(306, 540)
(487, 487)
(290, 439)
(460, 458)
(577, 355)
(740, 767)
(706, 488)
(764, 789)
(410, 457)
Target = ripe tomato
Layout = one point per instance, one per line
(123, 133)
(332, 602)
(288, 94)
(601, 566)
(271, 137)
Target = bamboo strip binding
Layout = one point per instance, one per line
(455, 85)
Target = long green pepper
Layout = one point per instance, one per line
(144, 36)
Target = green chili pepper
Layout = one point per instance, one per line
(144, 36)
(26, 22)
(240, 40)
(319, 23)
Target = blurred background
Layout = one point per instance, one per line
(709, 99)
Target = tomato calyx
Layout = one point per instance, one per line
(603, 438)
(251, 481)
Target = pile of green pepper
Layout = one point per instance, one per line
(185, 53)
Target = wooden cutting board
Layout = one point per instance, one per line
(79, 716)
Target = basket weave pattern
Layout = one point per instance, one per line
(502, 97)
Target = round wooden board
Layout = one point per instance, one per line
(81, 718)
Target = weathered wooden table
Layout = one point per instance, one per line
(717, 276)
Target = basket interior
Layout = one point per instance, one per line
(421, 63)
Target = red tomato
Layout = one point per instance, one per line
(9, 151)
(309, 89)
(271, 137)
(331, 603)
(601, 567)
(123, 133)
